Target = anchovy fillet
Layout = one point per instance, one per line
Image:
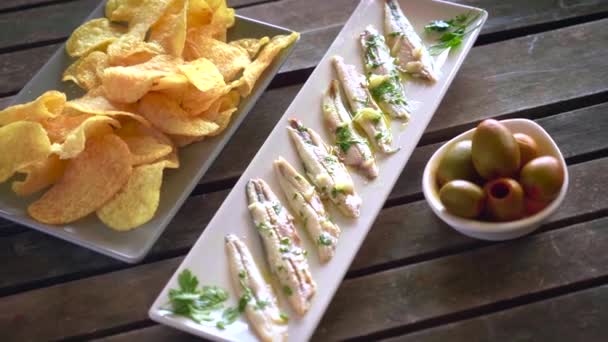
(384, 81)
(367, 113)
(286, 257)
(353, 149)
(304, 200)
(262, 309)
(326, 172)
(405, 44)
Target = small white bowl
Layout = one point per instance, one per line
(495, 231)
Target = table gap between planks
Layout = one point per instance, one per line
(414, 278)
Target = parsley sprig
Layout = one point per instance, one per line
(451, 32)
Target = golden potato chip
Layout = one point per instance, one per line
(199, 13)
(223, 17)
(172, 159)
(130, 50)
(140, 15)
(166, 115)
(93, 104)
(222, 120)
(89, 181)
(75, 141)
(137, 202)
(86, 72)
(229, 60)
(39, 175)
(146, 144)
(183, 141)
(95, 34)
(230, 100)
(22, 143)
(59, 127)
(176, 82)
(203, 74)
(195, 102)
(129, 84)
(254, 70)
(170, 30)
(47, 105)
(251, 45)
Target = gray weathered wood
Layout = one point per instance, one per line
(579, 316)
(155, 333)
(390, 299)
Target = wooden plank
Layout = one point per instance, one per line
(579, 316)
(472, 280)
(582, 311)
(403, 296)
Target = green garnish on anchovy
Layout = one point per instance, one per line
(452, 31)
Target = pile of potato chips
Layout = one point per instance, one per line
(158, 75)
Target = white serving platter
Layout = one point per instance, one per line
(195, 159)
(207, 259)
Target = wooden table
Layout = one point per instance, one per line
(414, 279)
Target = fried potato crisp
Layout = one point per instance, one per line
(136, 203)
(39, 175)
(93, 104)
(166, 115)
(95, 34)
(170, 30)
(146, 144)
(129, 50)
(204, 75)
(129, 84)
(251, 45)
(254, 70)
(140, 15)
(59, 127)
(89, 181)
(47, 105)
(230, 60)
(22, 143)
(75, 141)
(86, 72)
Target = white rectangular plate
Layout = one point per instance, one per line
(207, 259)
(195, 159)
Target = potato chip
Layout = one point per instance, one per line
(203, 74)
(129, 84)
(47, 105)
(146, 144)
(254, 70)
(22, 143)
(86, 72)
(137, 202)
(176, 82)
(93, 104)
(172, 159)
(89, 181)
(183, 141)
(39, 175)
(130, 50)
(251, 45)
(223, 17)
(222, 120)
(59, 127)
(229, 60)
(170, 30)
(95, 34)
(140, 15)
(75, 141)
(199, 13)
(195, 102)
(166, 115)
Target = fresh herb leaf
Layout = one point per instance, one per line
(285, 241)
(187, 281)
(345, 138)
(287, 290)
(325, 240)
(452, 31)
(284, 317)
(261, 304)
(277, 208)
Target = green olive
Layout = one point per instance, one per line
(456, 163)
(505, 199)
(495, 152)
(542, 178)
(528, 149)
(462, 198)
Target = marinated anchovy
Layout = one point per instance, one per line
(304, 200)
(257, 296)
(353, 149)
(286, 257)
(384, 81)
(367, 113)
(405, 44)
(326, 172)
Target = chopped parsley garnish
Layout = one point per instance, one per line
(325, 240)
(262, 227)
(394, 34)
(287, 290)
(284, 317)
(277, 208)
(261, 304)
(389, 91)
(336, 190)
(452, 31)
(285, 241)
(379, 136)
(345, 138)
